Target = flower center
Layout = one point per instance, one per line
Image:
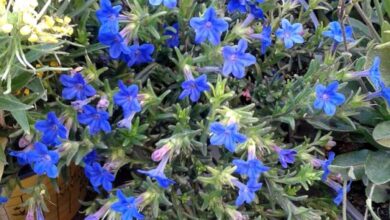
(96, 116)
(287, 34)
(325, 97)
(79, 86)
(233, 57)
(209, 24)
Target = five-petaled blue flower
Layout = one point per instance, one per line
(115, 41)
(335, 32)
(76, 87)
(52, 130)
(96, 119)
(235, 59)
(159, 176)
(285, 156)
(340, 193)
(158, 173)
(264, 37)
(209, 27)
(44, 161)
(226, 135)
(167, 3)
(126, 97)
(173, 35)
(246, 193)
(98, 176)
(328, 98)
(194, 88)
(127, 206)
(108, 15)
(251, 168)
(139, 54)
(290, 33)
(325, 165)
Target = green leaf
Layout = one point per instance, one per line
(9, 103)
(21, 117)
(381, 134)
(386, 6)
(379, 195)
(384, 32)
(378, 167)
(350, 162)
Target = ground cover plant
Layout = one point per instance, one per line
(208, 109)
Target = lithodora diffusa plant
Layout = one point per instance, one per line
(237, 109)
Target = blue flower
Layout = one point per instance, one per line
(256, 11)
(115, 41)
(235, 59)
(264, 37)
(98, 176)
(385, 93)
(158, 173)
(44, 161)
(23, 157)
(237, 5)
(139, 54)
(209, 27)
(285, 156)
(290, 33)
(325, 165)
(251, 168)
(340, 193)
(167, 3)
(3, 199)
(226, 135)
(126, 97)
(127, 206)
(194, 88)
(52, 130)
(374, 73)
(76, 87)
(90, 157)
(246, 193)
(334, 31)
(328, 98)
(108, 15)
(173, 36)
(96, 120)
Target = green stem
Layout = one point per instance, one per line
(379, 11)
(344, 200)
(367, 21)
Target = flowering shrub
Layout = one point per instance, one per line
(236, 109)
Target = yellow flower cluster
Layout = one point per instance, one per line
(33, 25)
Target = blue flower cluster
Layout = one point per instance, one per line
(111, 36)
(38, 156)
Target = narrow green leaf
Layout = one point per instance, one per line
(9, 104)
(21, 117)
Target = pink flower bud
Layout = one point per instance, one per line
(158, 154)
(103, 103)
(25, 141)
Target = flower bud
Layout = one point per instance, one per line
(7, 28)
(103, 103)
(25, 30)
(158, 154)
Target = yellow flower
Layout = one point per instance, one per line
(7, 28)
(25, 30)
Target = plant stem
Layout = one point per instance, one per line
(367, 21)
(344, 200)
